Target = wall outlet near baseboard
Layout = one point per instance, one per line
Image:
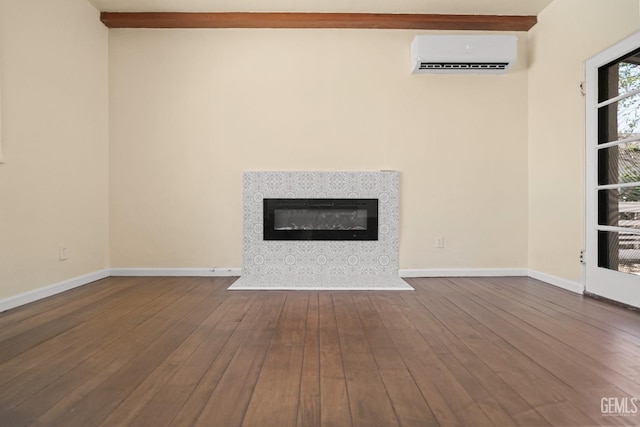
(439, 242)
(64, 252)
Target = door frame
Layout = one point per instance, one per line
(601, 281)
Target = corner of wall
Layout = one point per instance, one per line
(55, 143)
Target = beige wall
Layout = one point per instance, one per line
(492, 163)
(53, 186)
(191, 109)
(568, 32)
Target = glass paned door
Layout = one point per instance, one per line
(613, 172)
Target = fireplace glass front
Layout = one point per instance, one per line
(320, 219)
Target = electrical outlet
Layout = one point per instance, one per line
(439, 242)
(64, 252)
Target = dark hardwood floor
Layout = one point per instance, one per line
(187, 352)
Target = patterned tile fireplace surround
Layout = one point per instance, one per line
(313, 264)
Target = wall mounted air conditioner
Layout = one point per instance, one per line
(482, 54)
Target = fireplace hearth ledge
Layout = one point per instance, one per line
(319, 283)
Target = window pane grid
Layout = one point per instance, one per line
(618, 98)
(619, 166)
(619, 251)
(618, 186)
(618, 142)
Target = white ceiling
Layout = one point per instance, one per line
(471, 7)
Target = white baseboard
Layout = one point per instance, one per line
(463, 272)
(177, 272)
(576, 287)
(47, 291)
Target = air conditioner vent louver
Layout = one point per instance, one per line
(482, 54)
(463, 66)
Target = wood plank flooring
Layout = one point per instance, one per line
(187, 352)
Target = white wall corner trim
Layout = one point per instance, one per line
(569, 285)
(177, 272)
(47, 291)
(464, 272)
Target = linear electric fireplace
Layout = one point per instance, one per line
(320, 219)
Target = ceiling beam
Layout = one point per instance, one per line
(317, 20)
